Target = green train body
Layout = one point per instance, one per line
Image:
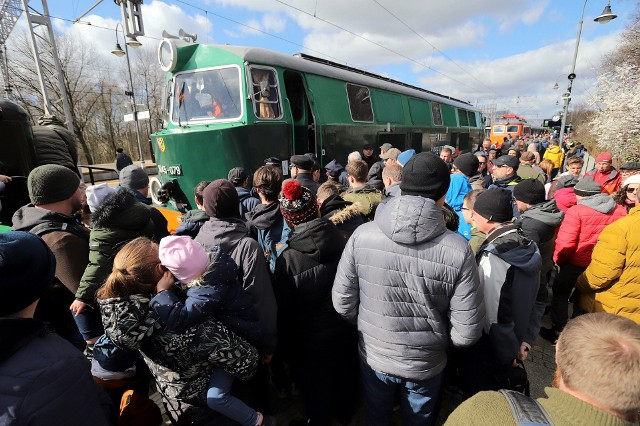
(229, 106)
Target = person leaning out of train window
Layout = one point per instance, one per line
(301, 168)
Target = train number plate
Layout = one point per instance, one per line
(170, 170)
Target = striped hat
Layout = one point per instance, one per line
(297, 203)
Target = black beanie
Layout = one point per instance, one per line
(51, 183)
(467, 163)
(220, 199)
(425, 175)
(27, 269)
(530, 191)
(495, 205)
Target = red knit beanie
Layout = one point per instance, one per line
(297, 203)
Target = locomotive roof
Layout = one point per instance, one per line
(326, 68)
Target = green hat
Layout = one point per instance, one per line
(51, 183)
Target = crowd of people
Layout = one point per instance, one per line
(385, 280)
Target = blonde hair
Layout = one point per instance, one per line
(327, 190)
(597, 355)
(546, 166)
(134, 270)
(393, 171)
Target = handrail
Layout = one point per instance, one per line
(91, 168)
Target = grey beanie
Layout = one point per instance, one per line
(51, 183)
(134, 177)
(587, 186)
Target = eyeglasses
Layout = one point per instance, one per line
(482, 163)
(630, 190)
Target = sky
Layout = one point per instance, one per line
(503, 54)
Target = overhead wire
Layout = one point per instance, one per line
(434, 46)
(374, 43)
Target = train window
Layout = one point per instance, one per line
(419, 111)
(437, 114)
(205, 95)
(359, 103)
(265, 93)
(498, 129)
(463, 118)
(512, 129)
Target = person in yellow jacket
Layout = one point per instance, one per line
(611, 283)
(554, 154)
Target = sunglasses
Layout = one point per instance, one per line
(630, 190)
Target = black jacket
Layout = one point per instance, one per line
(191, 223)
(46, 381)
(342, 213)
(306, 180)
(539, 224)
(303, 281)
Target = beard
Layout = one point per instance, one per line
(556, 378)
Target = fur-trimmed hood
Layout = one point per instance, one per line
(121, 210)
(342, 216)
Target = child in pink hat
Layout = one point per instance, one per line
(209, 276)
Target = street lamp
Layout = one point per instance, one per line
(603, 18)
(133, 42)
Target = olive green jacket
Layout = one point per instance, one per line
(119, 220)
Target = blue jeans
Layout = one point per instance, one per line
(417, 398)
(89, 322)
(219, 399)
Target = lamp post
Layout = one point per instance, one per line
(133, 42)
(603, 18)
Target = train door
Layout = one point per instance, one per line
(303, 121)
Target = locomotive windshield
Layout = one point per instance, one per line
(206, 95)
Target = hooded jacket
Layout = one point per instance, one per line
(71, 250)
(268, 227)
(44, 380)
(181, 363)
(554, 154)
(54, 144)
(344, 214)
(303, 280)
(231, 235)
(367, 198)
(191, 223)
(412, 287)
(611, 282)
(565, 198)
(247, 201)
(217, 293)
(459, 186)
(539, 224)
(581, 227)
(116, 222)
(509, 266)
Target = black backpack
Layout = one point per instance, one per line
(49, 226)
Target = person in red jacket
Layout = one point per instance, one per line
(605, 174)
(576, 238)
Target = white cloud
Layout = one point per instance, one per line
(529, 75)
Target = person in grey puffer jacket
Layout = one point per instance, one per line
(412, 287)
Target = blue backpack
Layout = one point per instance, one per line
(274, 241)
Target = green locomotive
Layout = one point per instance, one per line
(228, 106)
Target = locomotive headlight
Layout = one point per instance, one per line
(167, 55)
